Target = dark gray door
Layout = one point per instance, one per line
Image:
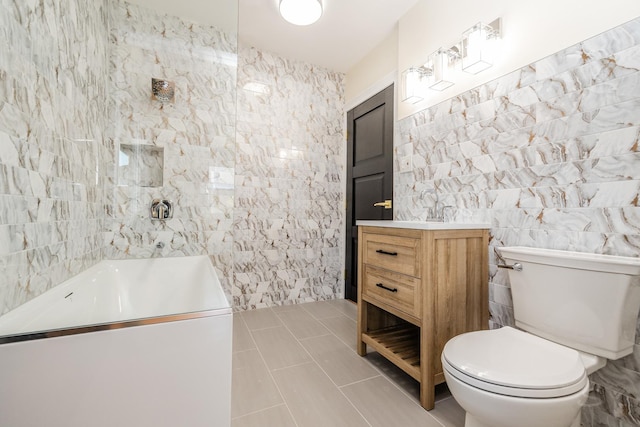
(369, 172)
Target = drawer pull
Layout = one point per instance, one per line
(380, 285)
(380, 251)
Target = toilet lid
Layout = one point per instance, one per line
(516, 363)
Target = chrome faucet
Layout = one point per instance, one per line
(435, 213)
(161, 210)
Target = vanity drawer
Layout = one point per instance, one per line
(395, 253)
(396, 290)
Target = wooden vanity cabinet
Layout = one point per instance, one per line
(416, 290)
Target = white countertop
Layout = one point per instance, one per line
(424, 225)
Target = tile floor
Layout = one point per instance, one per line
(296, 366)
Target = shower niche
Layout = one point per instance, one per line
(140, 165)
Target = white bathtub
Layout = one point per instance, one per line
(124, 343)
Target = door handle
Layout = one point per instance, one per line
(386, 204)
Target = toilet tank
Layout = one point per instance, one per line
(588, 302)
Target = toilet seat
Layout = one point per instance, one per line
(514, 363)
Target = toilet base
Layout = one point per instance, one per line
(471, 421)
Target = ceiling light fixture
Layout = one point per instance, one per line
(301, 12)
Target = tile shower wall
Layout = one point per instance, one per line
(549, 154)
(289, 192)
(196, 133)
(53, 69)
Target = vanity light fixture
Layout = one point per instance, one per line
(476, 52)
(439, 62)
(301, 12)
(479, 46)
(415, 81)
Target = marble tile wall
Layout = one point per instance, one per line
(53, 68)
(289, 190)
(265, 201)
(196, 133)
(550, 155)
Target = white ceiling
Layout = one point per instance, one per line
(346, 32)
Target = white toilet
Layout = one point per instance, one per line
(577, 309)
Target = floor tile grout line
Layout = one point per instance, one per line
(313, 318)
(313, 360)
(343, 341)
(296, 422)
(317, 318)
(258, 411)
(337, 317)
(435, 419)
(383, 375)
(380, 372)
(397, 386)
(388, 378)
(263, 328)
(246, 350)
(333, 382)
(346, 301)
(314, 336)
(393, 383)
(361, 381)
(308, 362)
(322, 369)
(366, 420)
(272, 377)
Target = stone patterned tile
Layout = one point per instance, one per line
(610, 407)
(548, 154)
(196, 132)
(289, 176)
(551, 162)
(288, 179)
(53, 166)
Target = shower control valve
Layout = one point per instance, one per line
(161, 210)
